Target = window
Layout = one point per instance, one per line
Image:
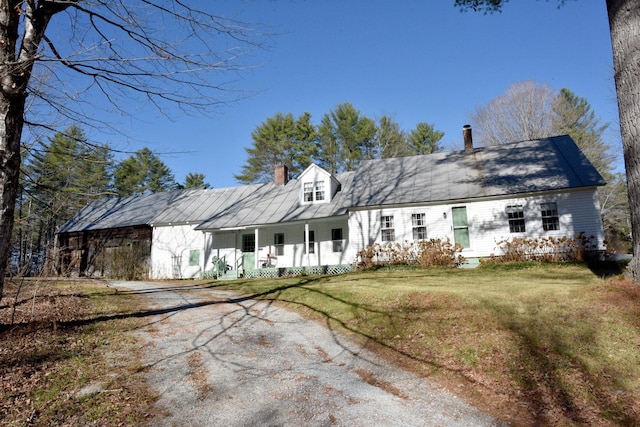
(515, 214)
(307, 195)
(550, 219)
(248, 243)
(460, 226)
(312, 242)
(388, 234)
(313, 191)
(278, 242)
(194, 257)
(319, 190)
(336, 237)
(419, 228)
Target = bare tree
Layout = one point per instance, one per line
(67, 56)
(624, 25)
(522, 113)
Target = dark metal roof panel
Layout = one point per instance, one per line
(114, 212)
(529, 166)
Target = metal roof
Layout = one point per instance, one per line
(272, 204)
(116, 212)
(523, 167)
(531, 166)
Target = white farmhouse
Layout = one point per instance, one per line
(319, 221)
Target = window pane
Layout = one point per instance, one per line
(278, 241)
(336, 236)
(419, 233)
(387, 221)
(320, 190)
(550, 224)
(308, 192)
(550, 220)
(515, 214)
(417, 219)
(248, 242)
(312, 242)
(194, 257)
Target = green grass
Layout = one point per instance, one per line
(558, 336)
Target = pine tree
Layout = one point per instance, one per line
(61, 176)
(194, 180)
(390, 140)
(573, 116)
(141, 173)
(424, 139)
(346, 138)
(279, 140)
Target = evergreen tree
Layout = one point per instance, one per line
(194, 180)
(141, 173)
(279, 140)
(424, 139)
(573, 116)
(390, 140)
(61, 176)
(346, 138)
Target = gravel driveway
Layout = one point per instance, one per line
(220, 360)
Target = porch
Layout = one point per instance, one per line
(275, 272)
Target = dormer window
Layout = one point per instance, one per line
(317, 185)
(313, 191)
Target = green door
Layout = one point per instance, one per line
(248, 251)
(460, 226)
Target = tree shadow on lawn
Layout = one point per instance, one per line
(554, 381)
(542, 380)
(270, 296)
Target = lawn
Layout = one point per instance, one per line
(533, 345)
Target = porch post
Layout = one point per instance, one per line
(306, 242)
(235, 252)
(255, 250)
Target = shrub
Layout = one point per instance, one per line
(426, 253)
(544, 249)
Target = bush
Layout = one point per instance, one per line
(425, 253)
(544, 249)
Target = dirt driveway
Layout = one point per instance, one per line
(217, 359)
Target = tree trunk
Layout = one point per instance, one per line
(11, 123)
(624, 23)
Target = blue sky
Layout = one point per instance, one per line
(417, 61)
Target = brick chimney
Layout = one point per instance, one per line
(281, 175)
(468, 139)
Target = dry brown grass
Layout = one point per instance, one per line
(57, 367)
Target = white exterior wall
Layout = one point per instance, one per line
(229, 244)
(173, 247)
(578, 211)
(171, 252)
(294, 244)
